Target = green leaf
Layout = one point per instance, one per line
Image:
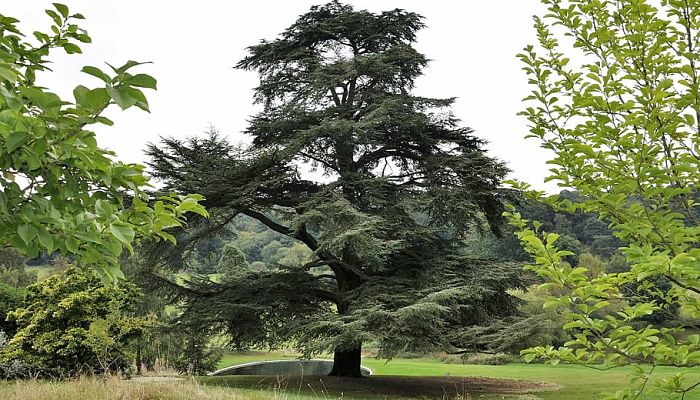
(10, 99)
(104, 121)
(62, 9)
(129, 64)
(27, 233)
(121, 97)
(16, 140)
(96, 72)
(191, 204)
(122, 231)
(141, 101)
(8, 74)
(103, 208)
(79, 94)
(32, 160)
(72, 245)
(46, 240)
(143, 80)
(56, 19)
(72, 48)
(96, 98)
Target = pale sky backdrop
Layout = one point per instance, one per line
(194, 44)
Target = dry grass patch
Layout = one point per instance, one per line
(118, 389)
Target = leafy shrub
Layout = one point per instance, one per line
(490, 359)
(10, 299)
(16, 369)
(476, 358)
(74, 324)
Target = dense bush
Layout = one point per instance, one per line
(10, 299)
(73, 324)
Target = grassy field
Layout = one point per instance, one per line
(576, 383)
(397, 376)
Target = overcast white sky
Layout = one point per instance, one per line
(194, 45)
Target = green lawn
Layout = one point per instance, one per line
(577, 383)
(42, 271)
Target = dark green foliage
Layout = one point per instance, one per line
(180, 341)
(73, 324)
(579, 232)
(197, 354)
(13, 268)
(394, 185)
(232, 261)
(570, 243)
(12, 258)
(176, 337)
(11, 298)
(616, 264)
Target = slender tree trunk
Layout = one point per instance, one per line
(346, 362)
(139, 361)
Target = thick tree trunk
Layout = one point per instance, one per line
(346, 363)
(346, 359)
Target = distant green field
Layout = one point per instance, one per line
(577, 383)
(42, 271)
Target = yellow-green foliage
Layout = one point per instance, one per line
(73, 323)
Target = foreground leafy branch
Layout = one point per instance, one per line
(59, 191)
(616, 98)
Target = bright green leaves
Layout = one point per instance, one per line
(7, 73)
(27, 232)
(72, 245)
(122, 88)
(16, 140)
(96, 72)
(46, 240)
(191, 204)
(58, 324)
(121, 98)
(91, 99)
(123, 232)
(622, 125)
(61, 9)
(142, 80)
(61, 191)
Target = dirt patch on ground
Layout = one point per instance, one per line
(395, 386)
